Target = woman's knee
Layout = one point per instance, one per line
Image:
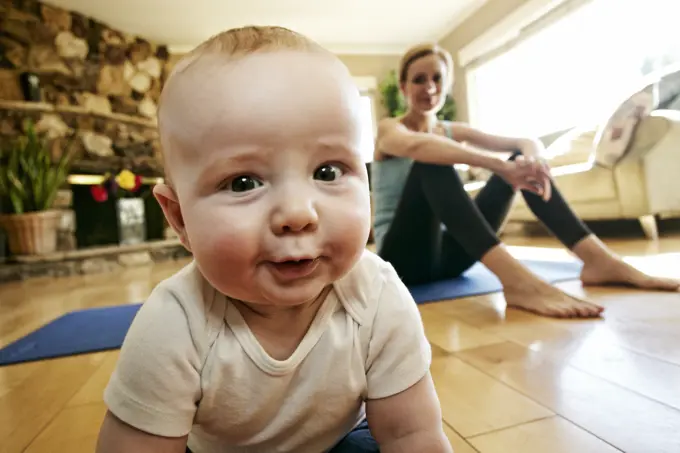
(515, 154)
(428, 172)
(429, 167)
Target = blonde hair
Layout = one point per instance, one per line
(423, 50)
(243, 41)
(233, 44)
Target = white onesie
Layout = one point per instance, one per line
(190, 364)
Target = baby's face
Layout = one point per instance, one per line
(271, 183)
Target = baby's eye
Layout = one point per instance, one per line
(243, 184)
(328, 173)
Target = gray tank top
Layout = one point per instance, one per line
(388, 178)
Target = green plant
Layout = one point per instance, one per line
(29, 178)
(392, 99)
(395, 104)
(448, 110)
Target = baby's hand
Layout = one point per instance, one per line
(409, 421)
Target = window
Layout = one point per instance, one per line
(367, 127)
(575, 70)
(367, 86)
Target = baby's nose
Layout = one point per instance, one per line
(297, 214)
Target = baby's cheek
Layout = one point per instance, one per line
(360, 209)
(232, 243)
(226, 258)
(221, 238)
(351, 220)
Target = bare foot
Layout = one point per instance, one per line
(524, 290)
(543, 299)
(617, 272)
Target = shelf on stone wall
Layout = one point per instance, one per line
(112, 141)
(114, 164)
(77, 110)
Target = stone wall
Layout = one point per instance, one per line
(95, 82)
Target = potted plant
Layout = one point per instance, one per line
(29, 181)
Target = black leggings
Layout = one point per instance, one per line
(438, 231)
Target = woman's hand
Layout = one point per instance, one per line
(532, 152)
(532, 148)
(526, 173)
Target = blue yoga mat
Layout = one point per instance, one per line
(77, 332)
(479, 280)
(100, 329)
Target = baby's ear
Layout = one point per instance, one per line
(169, 202)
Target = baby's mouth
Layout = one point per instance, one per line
(294, 268)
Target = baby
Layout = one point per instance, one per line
(283, 334)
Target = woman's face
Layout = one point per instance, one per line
(425, 84)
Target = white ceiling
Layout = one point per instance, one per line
(343, 26)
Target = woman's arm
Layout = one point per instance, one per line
(528, 146)
(395, 139)
(531, 149)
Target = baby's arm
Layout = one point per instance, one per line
(153, 392)
(409, 421)
(402, 408)
(118, 437)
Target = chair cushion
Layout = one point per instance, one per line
(613, 139)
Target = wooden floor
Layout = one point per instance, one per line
(508, 381)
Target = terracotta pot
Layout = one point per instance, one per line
(33, 233)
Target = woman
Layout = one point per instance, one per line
(429, 228)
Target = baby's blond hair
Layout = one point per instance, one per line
(240, 42)
(233, 44)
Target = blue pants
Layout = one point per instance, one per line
(359, 440)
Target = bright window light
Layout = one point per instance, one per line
(577, 70)
(367, 128)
